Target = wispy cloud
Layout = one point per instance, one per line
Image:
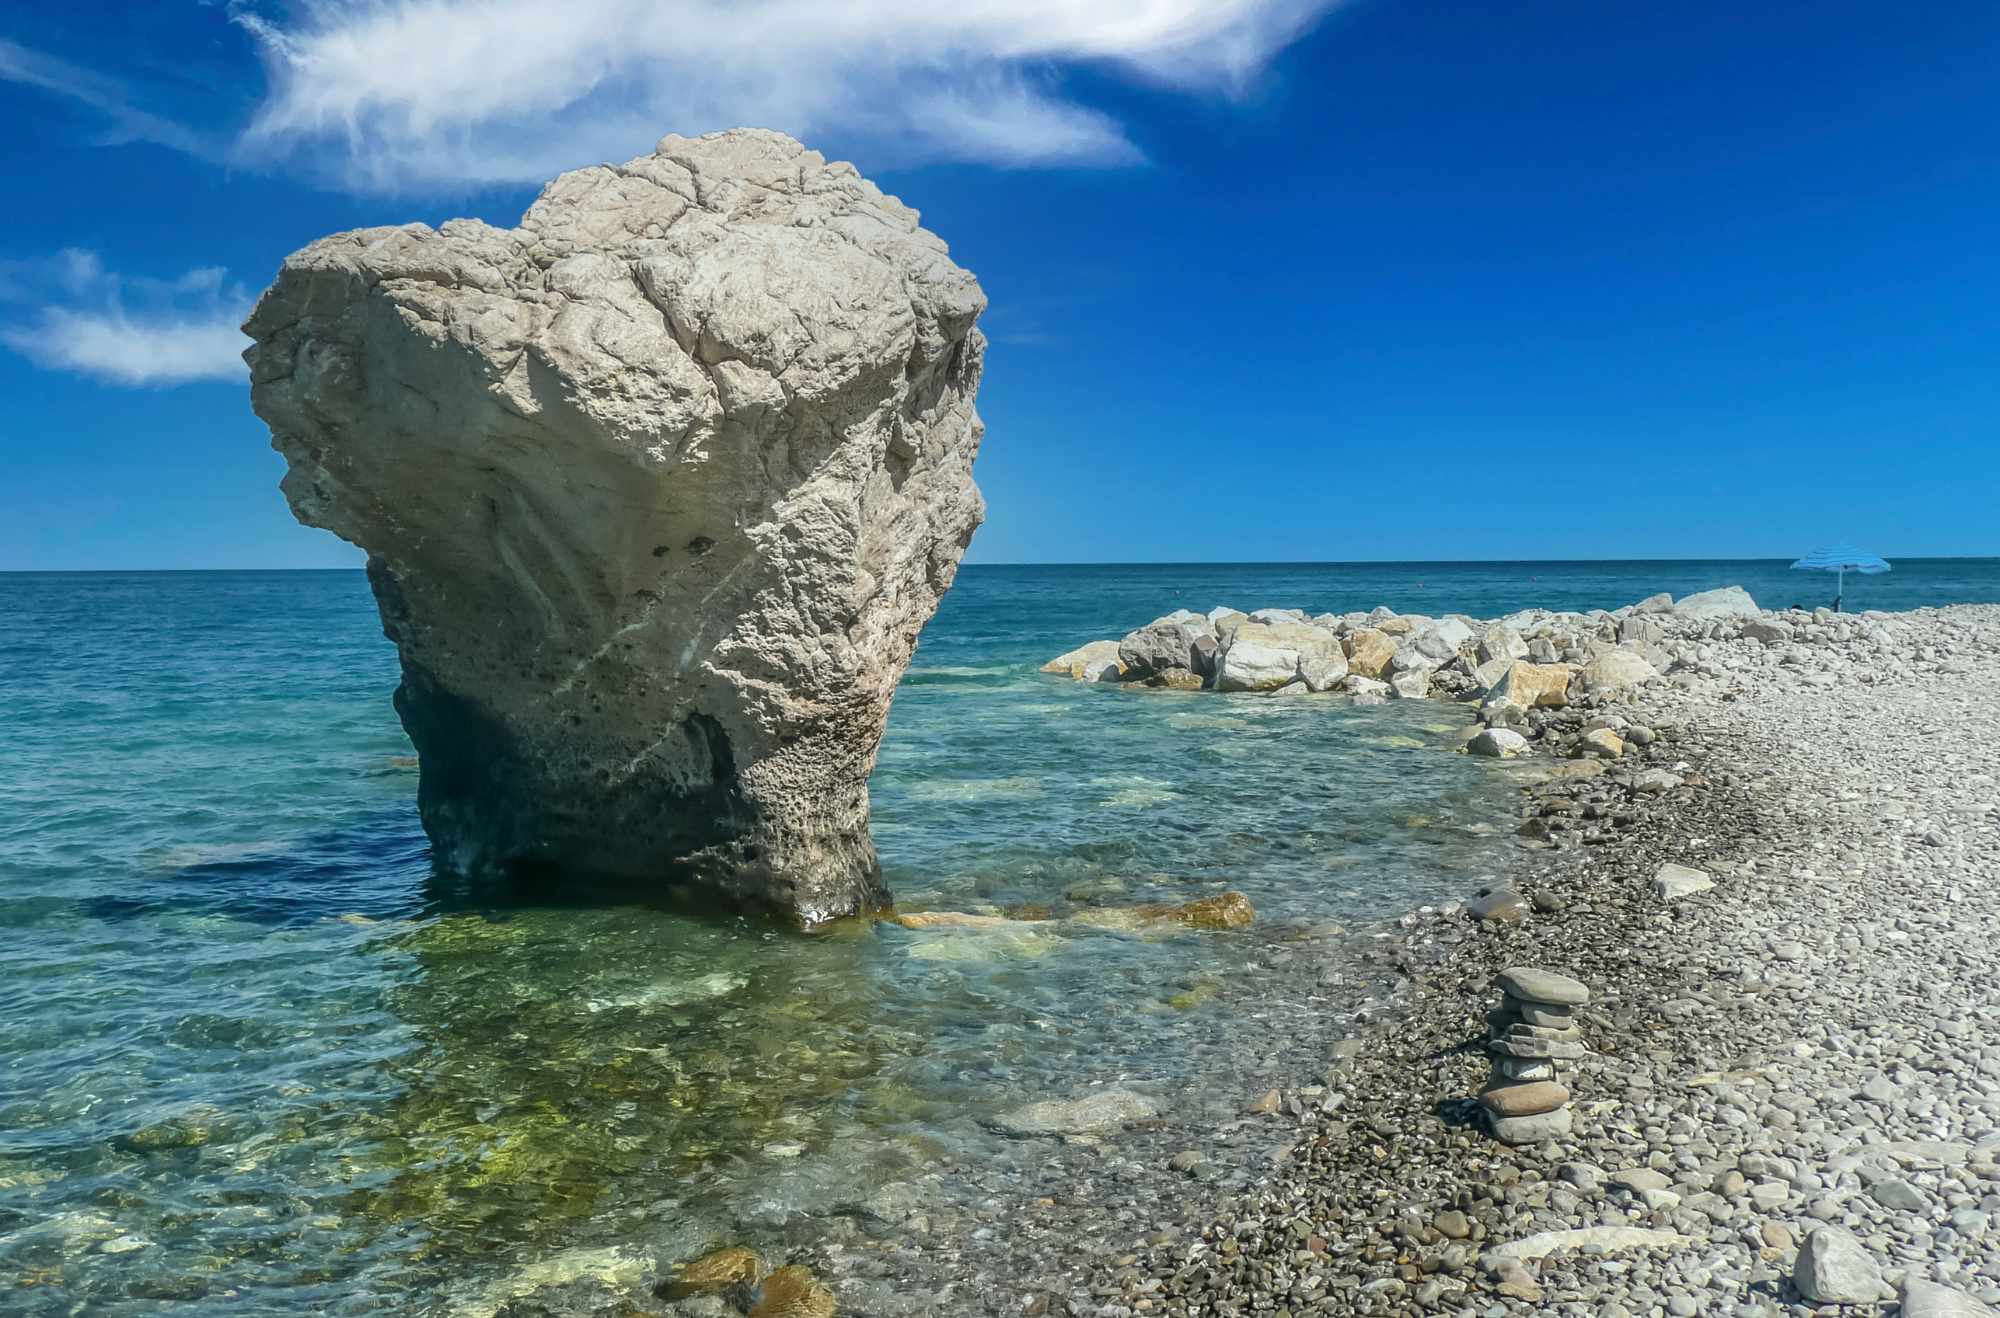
(125, 121)
(395, 95)
(130, 331)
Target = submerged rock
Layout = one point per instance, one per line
(1096, 1111)
(793, 1292)
(1227, 910)
(712, 1272)
(952, 920)
(658, 490)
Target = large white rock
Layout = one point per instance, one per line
(1164, 644)
(1260, 656)
(1498, 743)
(1322, 660)
(1771, 631)
(1487, 675)
(1370, 652)
(1673, 882)
(1526, 686)
(1408, 659)
(1726, 602)
(1255, 658)
(1927, 1299)
(1439, 641)
(1833, 1268)
(658, 490)
(1500, 643)
(1411, 684)
(1606, 1238)
(1616, 669)
(1088, 663)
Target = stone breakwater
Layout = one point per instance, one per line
(1541, 681)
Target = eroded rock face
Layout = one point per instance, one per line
(658, 490)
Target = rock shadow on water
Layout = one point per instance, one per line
(367, 866)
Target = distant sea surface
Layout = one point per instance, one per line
(259, 1055)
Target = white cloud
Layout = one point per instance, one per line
(133, 331)
(403, 94)
(105, 95)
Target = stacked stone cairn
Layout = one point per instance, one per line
(1533, 1028)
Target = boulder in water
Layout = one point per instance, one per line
(1164, 645)
(1226, 910)
(1369, 651)
(658, 489)
(1101, 1109)
(1256, 656)
(1097, 661)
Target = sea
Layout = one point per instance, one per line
(259, 1056)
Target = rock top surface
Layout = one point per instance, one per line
(658, 489)
(1927, 1299)
(1532, 984)
(1833, 1268)
(1724, 602)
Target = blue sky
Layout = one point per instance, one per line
(1270, 279)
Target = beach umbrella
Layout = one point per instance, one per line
(1842, 559)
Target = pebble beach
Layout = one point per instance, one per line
(1790, 1102)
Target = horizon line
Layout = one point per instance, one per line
(1107, 563)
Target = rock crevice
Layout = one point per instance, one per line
(658, 490)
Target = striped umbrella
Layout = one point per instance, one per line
(1842, 559)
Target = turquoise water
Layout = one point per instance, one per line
(260, 1057)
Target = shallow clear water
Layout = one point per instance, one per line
(258, 1054)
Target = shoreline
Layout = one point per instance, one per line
(1686, 1055)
